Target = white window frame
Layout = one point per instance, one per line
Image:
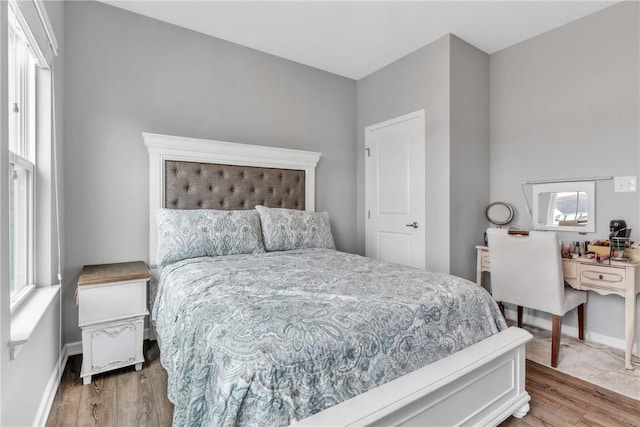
(24, 158)
(28, 285)
(21, 316)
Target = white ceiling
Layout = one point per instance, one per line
(356, 38)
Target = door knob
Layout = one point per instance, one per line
(414, 224)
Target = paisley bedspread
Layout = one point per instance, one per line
(271, 338)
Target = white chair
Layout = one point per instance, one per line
(526, 270)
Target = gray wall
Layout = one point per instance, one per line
(419, 80)
(449, 79)
(469, 147)
(565, 104)
(127, 74)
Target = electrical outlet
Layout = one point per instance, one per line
(625, 184)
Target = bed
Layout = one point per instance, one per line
(289, 330)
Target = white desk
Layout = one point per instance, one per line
(619, 278)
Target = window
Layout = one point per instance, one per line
(21, 96)
(570, 206)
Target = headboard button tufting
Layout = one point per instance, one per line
(195, 185)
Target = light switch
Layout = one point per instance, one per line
(625, 184)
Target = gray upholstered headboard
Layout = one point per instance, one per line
(189, 173)
(196, 185)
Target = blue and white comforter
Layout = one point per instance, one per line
(268, 339)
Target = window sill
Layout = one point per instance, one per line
(26, 317)
(21, 297)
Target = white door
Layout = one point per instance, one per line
(394, 190)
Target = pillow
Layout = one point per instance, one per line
(287, 229)
(205, 232)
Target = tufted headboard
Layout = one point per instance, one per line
(188, 173)
(193, 185)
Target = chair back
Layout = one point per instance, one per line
(526, 270)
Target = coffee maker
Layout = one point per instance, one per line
(618, 239)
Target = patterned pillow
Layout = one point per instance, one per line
(205, 232)
(287, 229)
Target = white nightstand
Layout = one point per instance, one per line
(112, 305)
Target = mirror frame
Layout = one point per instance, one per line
(493, 220)
(588, 187)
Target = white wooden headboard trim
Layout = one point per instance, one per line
(168, 147)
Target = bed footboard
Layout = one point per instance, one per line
(480, 385)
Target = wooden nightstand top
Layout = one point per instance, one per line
(118, 272)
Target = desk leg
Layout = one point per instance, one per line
(629, 326)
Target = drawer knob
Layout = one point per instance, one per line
(600, 277)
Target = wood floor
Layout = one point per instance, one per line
(128, 398)
(122, 398)
(558, 399)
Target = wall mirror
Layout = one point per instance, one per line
(565, 206)
(499, 213)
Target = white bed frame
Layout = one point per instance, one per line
(481, 385)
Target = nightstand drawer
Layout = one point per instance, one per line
(109, 346)
(111, 301)
(606, 279)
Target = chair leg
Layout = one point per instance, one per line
(581, 322)
(555, 340)
(520, 316)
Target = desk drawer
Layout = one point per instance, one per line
(602, 278)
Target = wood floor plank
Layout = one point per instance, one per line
(158, 379)
(560, 399)
(135, 399)
(64, 409)
(579, 394)
(98, 402)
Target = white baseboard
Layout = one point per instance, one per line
(74, 348)
(51, 389)
(571, 331)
